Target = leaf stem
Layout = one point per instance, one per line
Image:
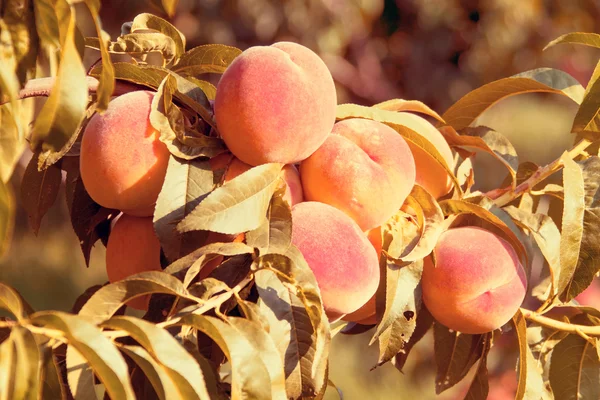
(581, 330)
(541, 174)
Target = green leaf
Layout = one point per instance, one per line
(541, 341)
(51, 386)
(39, 190)
(146, 75)
(587, 118)
(584, 38)
(179, 364)
(156, 373)
(423, 324)
(149, 21)
(457, 207)
(107, 78)
(431, 220)
(208, 88)
(185, 185)
(90, 221)
(22, 368)
(11, 301)
(98, 350)
(46, 23)
(107, 300)
(399, 105)
(572, 231)
(293, 333)
(7, 217)
(575, 369)
(455, 354)
(80, 376)
(139, 44)
(239, 205)
(250, 377)
(14, 125)
(473, 104)
(480, 386)
(209, 58)
(169, 120)
(275, 234)
(545, 233)
(531, 382)
(65, 108)
(487, 140)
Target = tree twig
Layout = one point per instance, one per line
(559, 325)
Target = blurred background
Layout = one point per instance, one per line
(432, 51)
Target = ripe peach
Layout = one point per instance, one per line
(366, 315)
(289, 173)
(132, 247)
(122, 161)
(430, 175)
(477, 283)
(364, 168)
(339, 254)
(275, 104)
(590, 297)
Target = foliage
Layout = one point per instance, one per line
(256, 327)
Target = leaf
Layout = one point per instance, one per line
(98, 350)
(586, 39)
(530, 380)
(11, 301)
(480, 386)
(39, 190)
(168, 119)
(455, 354)
(7, 217)
(250, 377)
(293, 334)
(179, 364)
(149, 21)
(487, 140)
(457, 207)
(80, 376)
(22, 368)
(146, 75)
(423, 324)
(275, 234)
(239, 205)
(431, 221)
(408, 105)
(544, 232)
(46, 23)
(106, 301)
(51, 386)
(65, 108)
(184, 187)
(575, 369)
(89, 220)
(542, 341)
(579, 246)
(139, 44)
(157, 374)
(209, 58)
(587, 118)
(267, 352)
(469, 107)
(208, 88)
(14, 120)
(107, 78)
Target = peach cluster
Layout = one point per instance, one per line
(344, 180)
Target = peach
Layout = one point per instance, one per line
(364, 168)
(132, 247)
(366, 315)
(289, 173)
(430, 174)
(477, 283)
(122, 161)
(339, 254)
(275, 104)
(590, 297)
